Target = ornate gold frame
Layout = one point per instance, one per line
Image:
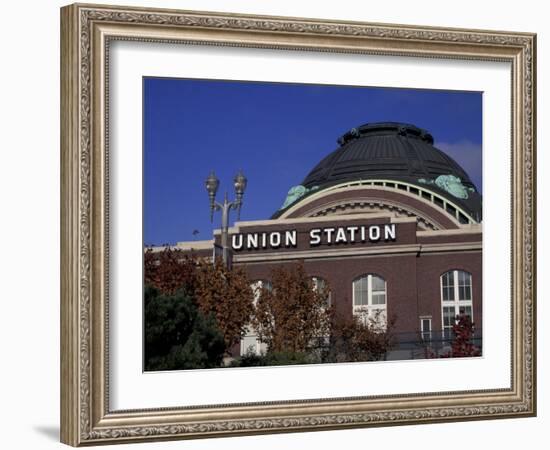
(86, 31)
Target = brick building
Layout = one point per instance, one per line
(390, 222)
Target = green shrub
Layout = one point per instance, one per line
(177, 335)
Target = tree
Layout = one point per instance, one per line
(178, 335)
(353, 340)
(227, 295)
(169, 270)
(463, 332)
(292, 316)
(461, 345)
(224, 293)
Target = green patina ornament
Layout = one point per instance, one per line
(294, 193)
(451, 184)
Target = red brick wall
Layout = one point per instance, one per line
(412, 282)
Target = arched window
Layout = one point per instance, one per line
(369, 300)
(456, 298)
(321, 285)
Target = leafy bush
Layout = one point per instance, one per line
(352, 340)
(177, 335)
(463, 333)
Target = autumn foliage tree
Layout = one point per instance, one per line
(353, 340)
(222, 293)
(463, 333)
(461, 344)
(292, 315)
(169, 270)
(227, 295)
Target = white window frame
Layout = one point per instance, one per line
(423, 332)
(365, 312)
(456, 303)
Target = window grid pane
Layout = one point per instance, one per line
(369, 300)
(464, 278)
(360, 288)
(426, 325)
(448, 294)
(426, 328)
(464, 285)
(378, 284)
(467, 310)
(448, 280)
(448, 286)
(448, 316)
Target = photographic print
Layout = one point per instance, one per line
(291, 223)
(252, 201)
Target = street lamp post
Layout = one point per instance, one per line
(212, 183)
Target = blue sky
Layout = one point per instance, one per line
(276, 133)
